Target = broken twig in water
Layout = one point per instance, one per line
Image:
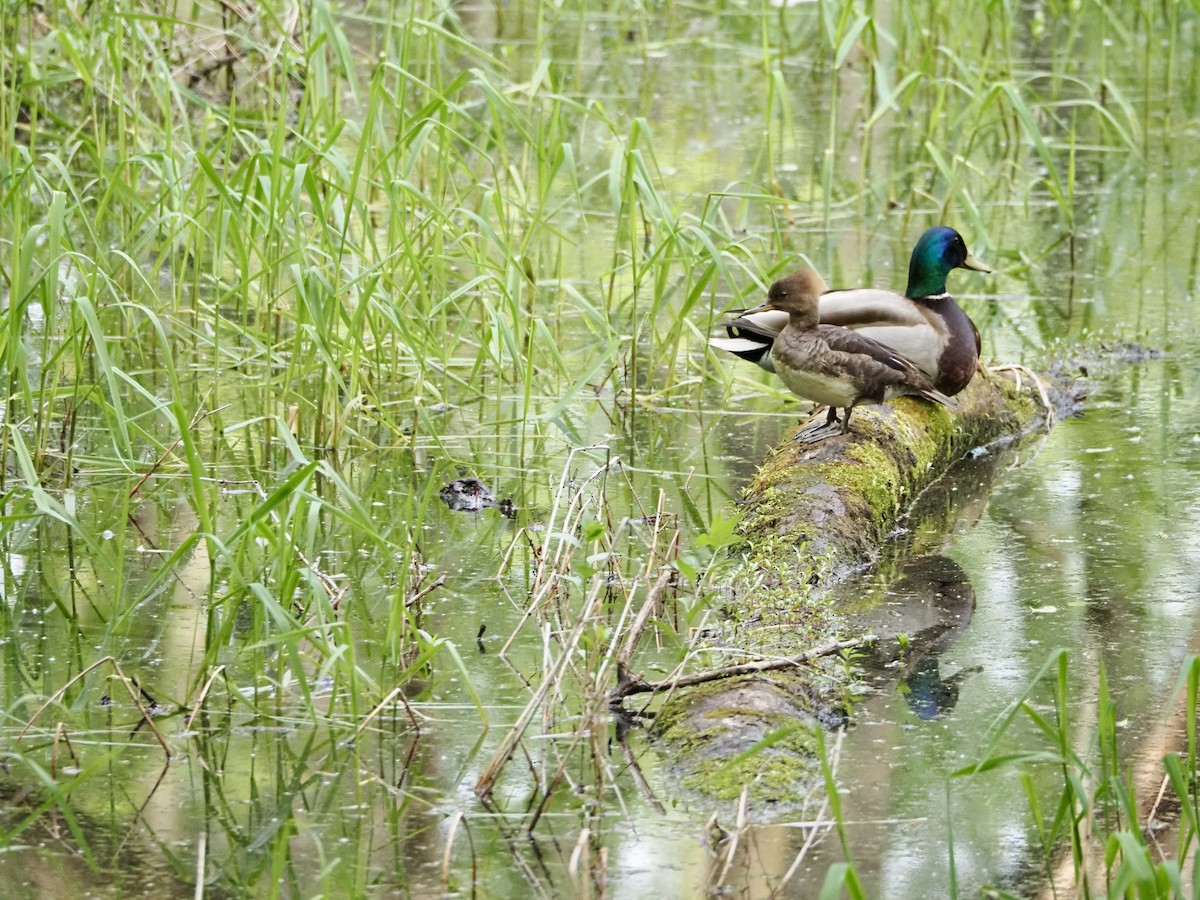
(629, 687)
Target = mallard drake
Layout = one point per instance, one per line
(835, 365)
(923, 324)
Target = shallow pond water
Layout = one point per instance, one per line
(1087, 546)
(335, 758)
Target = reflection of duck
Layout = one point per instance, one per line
(927, 693)
(923, 324)
(930, 606)
(938, 582)
(833, 365)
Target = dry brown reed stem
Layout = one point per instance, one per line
(203, 695)
(614, 584)
(200, 416)
(517, 846)
(458, 819)
(61, 736)
(1040, 386)
(141, 810)
(582, 861)
(595, 702)
(201, 865)
(634, 769)
(820, 826)
(487, 780)
(630, 687)
(565, 495)
(554, 673)
(561, 772)
(634, 635)
(550, 566)
(382, 705)
(560, 658)
(426, 591)
(729, 851)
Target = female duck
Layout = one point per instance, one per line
(834, 365)
(923, 324)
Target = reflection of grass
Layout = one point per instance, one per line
(270, 281)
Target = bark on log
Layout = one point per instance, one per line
(815, 514)
(843, 496)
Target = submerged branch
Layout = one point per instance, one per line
(630, 687)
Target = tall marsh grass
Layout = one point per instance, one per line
(272, 274)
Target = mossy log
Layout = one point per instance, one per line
(813, 515)
(841, 497)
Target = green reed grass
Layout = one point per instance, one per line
(247, 259)
(1096, 819)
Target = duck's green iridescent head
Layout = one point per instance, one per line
(939, 250)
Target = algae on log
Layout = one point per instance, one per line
(813, 515)
(845, 494)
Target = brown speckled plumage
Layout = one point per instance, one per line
(834, 365)
(924, 324)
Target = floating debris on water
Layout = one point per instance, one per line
(472, 495)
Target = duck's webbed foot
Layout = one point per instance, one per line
(819, 431)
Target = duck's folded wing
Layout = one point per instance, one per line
(891, 319)
(847, 340)
(869, 356)
(870, 308)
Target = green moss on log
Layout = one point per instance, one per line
(769, 725)
(813, 515)
(843, 496)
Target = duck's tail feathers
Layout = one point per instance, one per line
(751, 333)
(752, 349)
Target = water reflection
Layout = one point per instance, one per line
(920, 617)
(1087, 547)
(928, 693)
(1090, 547)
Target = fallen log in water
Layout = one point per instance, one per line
(813, 515)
